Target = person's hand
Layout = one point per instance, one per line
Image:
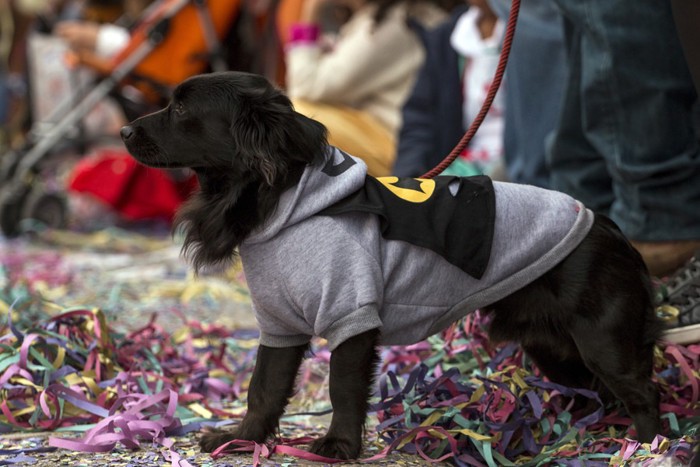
(79, 35)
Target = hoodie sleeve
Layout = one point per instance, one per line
(280, 323)
(333, 280)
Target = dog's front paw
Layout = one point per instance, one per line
(337, 447)
(212, 438)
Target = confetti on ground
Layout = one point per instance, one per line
(478, 405)
(111, 353)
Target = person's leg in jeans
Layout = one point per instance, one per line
(577, 168)
(626, 144)
(534, 87)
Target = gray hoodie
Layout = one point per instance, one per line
(335, 276)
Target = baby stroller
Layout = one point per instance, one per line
(175, 39)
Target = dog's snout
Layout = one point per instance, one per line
(126, 132)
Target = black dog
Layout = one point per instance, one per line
(587, 322)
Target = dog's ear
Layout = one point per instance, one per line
(270, 135)
(310, 138)
(253, 130)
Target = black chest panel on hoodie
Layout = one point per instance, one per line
(452, 216)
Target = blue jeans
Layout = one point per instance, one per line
(627, 145)
(534, 87)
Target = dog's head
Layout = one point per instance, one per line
(230, 121)
(245, 142)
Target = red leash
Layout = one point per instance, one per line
(497, 78)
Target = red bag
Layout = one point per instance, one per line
(133, 190)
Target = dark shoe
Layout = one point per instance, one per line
(681, 313)
(683, 276)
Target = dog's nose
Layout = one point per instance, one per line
(126, 132)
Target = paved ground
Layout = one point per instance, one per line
(187, 446)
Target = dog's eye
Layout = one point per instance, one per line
(179, 108)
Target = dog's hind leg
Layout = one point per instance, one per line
(271, 386)
(625, 367)
(353, 366)
(605, 294)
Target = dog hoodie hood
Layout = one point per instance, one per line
(318, 188)
(335, 276)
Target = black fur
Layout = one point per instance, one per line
(269, 391)
(589, 322)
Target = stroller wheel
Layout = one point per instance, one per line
(49, 209)
(19, 202)
(12, 198)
